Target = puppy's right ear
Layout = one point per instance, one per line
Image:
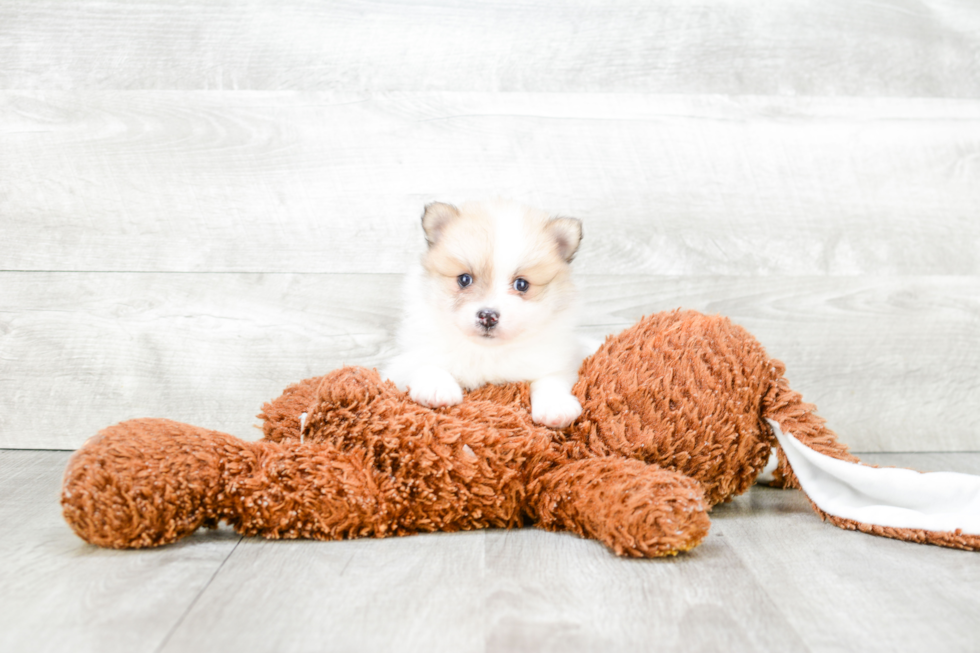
(436, 218)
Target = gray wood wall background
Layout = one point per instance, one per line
(202, 202)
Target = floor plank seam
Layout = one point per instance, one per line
(190, 606)
(750, 569)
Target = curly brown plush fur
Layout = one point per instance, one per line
(673, 423)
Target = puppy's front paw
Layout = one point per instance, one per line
(435, 388)
(556, 410)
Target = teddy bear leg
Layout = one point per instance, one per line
(144, 483)
(151, 482)
(634, 508)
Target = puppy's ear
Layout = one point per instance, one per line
(436, 218)
(567, 233)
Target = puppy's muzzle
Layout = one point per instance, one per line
(488, 318)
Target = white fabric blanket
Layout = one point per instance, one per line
(899, 498)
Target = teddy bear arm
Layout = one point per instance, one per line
(634, 508)
(449, 469)
(312, 490)
(374, 463)
(284, 417)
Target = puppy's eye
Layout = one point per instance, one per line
(464, 280)
(521, 285)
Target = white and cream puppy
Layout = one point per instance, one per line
(492, 302)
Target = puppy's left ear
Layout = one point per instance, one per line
(567, 233)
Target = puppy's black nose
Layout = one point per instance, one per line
(488, 318)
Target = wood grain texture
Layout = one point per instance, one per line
(60, 594)
(205, 349)
(845, 591)
(335, 182)
(483, 591)
(556, 592)
(814, 47)
(420, 593)
(891, 361)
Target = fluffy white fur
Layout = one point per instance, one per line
(443, 345)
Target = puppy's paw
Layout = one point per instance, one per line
(435, 388)
(556, 410)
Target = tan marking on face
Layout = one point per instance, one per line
(529, 243)
(551, 243)
(541, 275)
(463, 246)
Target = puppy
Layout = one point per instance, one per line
(492, 302)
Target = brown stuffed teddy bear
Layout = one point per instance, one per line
(679, 414)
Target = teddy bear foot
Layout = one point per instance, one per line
(150, 482)
(634, 508)
(143, 483)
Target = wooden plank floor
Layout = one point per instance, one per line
(770, 577)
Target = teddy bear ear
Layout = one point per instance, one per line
(567, 233)
(436, 218)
